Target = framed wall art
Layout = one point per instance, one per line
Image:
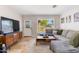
(76, 17)
(68, 19)
(28, 24)
(62, 20)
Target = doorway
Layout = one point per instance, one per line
(27, 28)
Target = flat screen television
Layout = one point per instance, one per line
(7, 25)
(15, 25)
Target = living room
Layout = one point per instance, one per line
(32, 35)
(39, 29)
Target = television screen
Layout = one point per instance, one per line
(7, 26)
(15, 25)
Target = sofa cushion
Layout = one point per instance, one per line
(59, 37)
(64, 33)
(74, 41)
(54, 32)
(70, 34)
(62, 47)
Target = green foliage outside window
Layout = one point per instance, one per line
(43, 23)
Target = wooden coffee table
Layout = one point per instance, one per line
(41, 38)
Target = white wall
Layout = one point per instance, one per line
(72, 25)
(35, 19)
(5, 11)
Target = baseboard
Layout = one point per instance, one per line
(27, 36)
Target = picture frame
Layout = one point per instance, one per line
(68, 19)
(62, 20)
(76, 17)
(28, 24)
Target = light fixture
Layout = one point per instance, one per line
(54, 6)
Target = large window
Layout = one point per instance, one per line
(45, 23)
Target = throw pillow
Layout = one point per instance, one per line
(70, 34)
(59, 32)
(64, 33)
(75, 41)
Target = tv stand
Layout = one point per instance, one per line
(11, 38)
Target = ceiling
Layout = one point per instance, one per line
(41, 9)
